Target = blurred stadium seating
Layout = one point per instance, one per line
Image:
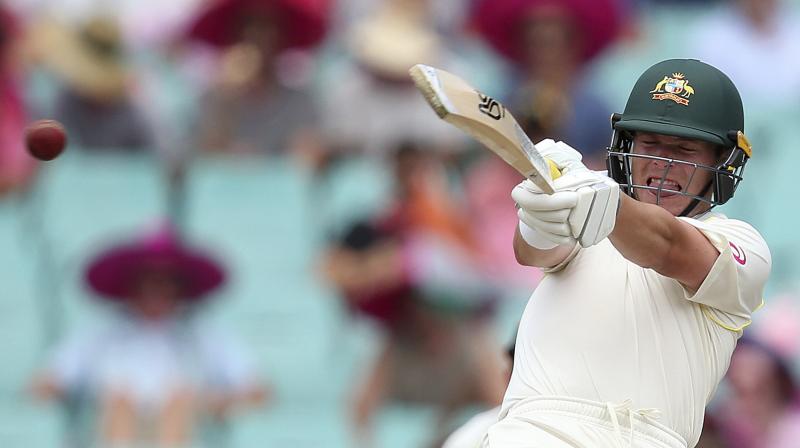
(257, 215)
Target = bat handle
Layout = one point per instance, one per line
(555, 173)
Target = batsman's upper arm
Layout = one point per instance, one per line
(735, 283)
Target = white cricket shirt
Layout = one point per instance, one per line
(601, 328)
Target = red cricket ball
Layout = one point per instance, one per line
(45, 139)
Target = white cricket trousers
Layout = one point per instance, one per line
(560, 422)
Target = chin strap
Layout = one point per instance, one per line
(695, 201)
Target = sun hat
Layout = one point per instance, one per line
(499, 22)
(112, 272)
(301, 23)
(89, 58)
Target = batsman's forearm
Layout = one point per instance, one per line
(528, 255)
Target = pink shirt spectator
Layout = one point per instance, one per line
(16, 166)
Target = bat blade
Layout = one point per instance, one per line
(486, 120)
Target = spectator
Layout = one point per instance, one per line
(155, 368)
(437, 349)
(258, 102)
(763, 408)
(16, 166)
(375, 106)
(423, 201)
(95, 98)
(413, 270)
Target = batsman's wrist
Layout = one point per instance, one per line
(534, 238)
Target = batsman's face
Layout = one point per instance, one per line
(675, 179)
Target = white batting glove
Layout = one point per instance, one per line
(535, 238)
(565, 157)
(544, 226)
(548, 228)
(583, 208)
(549, 220)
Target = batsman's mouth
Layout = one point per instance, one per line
(668, 187)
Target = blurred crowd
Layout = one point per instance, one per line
(317, 85)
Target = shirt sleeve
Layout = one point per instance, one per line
(734, 287)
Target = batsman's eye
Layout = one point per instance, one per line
(645, 147)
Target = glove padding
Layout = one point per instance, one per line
(583, 208)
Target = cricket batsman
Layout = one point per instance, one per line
(646, 289)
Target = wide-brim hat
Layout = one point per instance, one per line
(499, 23)
(393, 39)
(302, 23)
(112, 273)
(89, 58)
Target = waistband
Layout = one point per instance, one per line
(637, 423)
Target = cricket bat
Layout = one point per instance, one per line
(486, 120)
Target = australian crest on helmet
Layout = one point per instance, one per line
(675, 88)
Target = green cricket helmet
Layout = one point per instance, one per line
(690, 99)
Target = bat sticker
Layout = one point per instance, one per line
(489, 106)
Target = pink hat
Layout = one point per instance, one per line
(499, 21)
(112, 272)
(302, 23)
